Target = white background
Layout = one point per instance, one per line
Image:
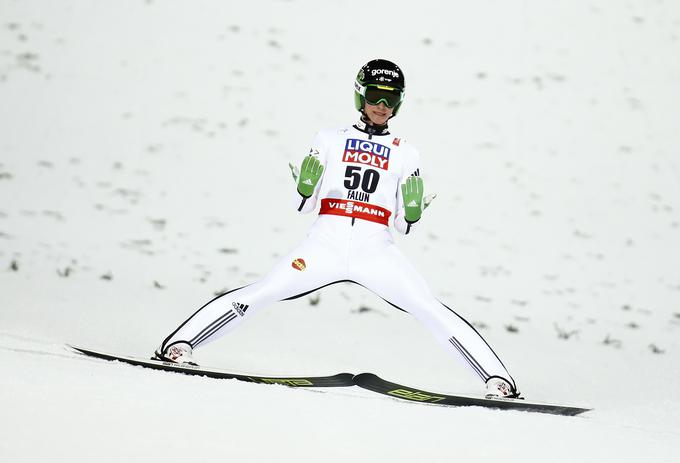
(148, 142)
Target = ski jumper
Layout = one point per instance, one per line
(358, 194)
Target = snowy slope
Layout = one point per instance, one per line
(132, 131)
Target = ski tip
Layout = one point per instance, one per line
(366, 379)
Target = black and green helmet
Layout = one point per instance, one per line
(379, 81)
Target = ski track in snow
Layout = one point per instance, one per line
(552, 143)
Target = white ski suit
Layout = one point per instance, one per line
(350, 241)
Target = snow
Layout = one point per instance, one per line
(134, 137)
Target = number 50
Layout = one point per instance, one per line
(369, 180)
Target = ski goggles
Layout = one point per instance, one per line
(376, 94)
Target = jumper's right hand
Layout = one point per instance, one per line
(310, 174)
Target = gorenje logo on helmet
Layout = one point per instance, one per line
(375, 72)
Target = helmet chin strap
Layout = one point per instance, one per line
(366, 126)
(367, 120)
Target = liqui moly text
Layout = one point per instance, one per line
(367, 152)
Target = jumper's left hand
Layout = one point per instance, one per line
(412, 193)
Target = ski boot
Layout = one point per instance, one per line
(180, 353)
(498, 388)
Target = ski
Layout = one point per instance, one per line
(338, 380)
(376, 384)
(367, 381)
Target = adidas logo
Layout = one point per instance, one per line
(412, 204)
(240, 308)
(308, 182)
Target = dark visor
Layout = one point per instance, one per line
(389, 96)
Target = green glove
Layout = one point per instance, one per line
(310, 174)
(412, 192)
